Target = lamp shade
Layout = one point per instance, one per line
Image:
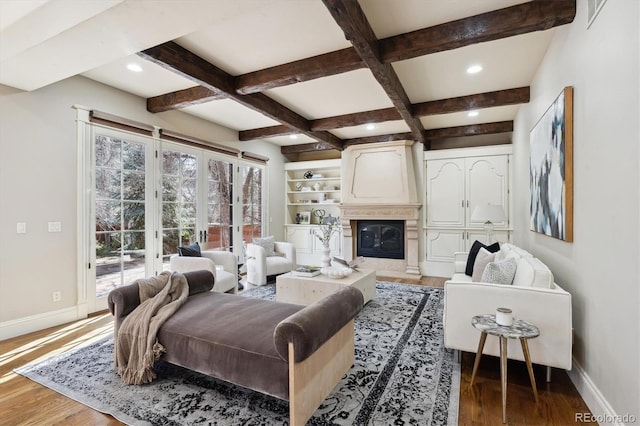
(488, 213)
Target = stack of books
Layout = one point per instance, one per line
(306, 271)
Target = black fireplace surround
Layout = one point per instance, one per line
(380, 238)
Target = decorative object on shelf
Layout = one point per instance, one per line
(489, 214)
(322, 197)
(336, 273)
(305, 218)
(317, 186)
(305, 189)
(299, 186)
(308, 174)
(325, 231)
(551, 169)
(298, 218)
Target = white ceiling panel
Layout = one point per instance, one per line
(153, 80)
(411, 15)
(278, 32)
(486, 115)
(336, 95)
(508, 63)
(230, 114)
(384, 128)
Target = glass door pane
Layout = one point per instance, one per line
(179, 201)
(219, 205)
(120, 206)
(251, 202)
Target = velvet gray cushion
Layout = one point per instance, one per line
(309, 328)
(199, 281)
(230, 337)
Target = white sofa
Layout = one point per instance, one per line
(259, 265)
(533, 296)
(226, 280)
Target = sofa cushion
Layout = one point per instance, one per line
(238, 351)
(500, 272)
(482, 259)
(524, 273)
(192, 250)
(461, 278)
(475, 247)
(533, 273)
(267, 243)
(278, 265)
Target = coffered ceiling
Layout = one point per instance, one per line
(303, 74)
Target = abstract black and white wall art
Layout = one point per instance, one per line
(551, 170)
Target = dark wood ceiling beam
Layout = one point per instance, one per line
(378, 139)
(498, 98)
(306, 69)
(508, 22)
(472, 130)
(354, 24)
(182, 98)
(355, 119)
(305, 147)
(179, 60)
(265, 132)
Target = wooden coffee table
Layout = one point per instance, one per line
(304, 291)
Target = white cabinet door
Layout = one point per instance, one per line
(300, 237)
(445, 193)
(441, 244)
(486, 182)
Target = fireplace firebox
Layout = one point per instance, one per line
(380, 238)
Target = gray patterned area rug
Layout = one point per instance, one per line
(402, 375)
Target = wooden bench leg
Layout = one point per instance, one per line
(311, 380)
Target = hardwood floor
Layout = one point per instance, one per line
(23, 402)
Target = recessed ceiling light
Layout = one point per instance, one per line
(134, 67)
(473, 114)
(371, 126)
(474, 69)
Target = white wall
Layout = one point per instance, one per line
(600, 268)
(38, 185)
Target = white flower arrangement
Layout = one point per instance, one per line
(327, 227)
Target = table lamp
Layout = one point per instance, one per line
(489, 214)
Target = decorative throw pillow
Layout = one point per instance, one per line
(500, 272)
(475, 248)
(483, 258)
(192, 250)
(267, 243)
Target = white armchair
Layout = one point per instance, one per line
(225, 279)
(259, 265)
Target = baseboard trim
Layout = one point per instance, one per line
(600, 408)
(21, 326)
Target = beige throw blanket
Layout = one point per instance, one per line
(137, 347)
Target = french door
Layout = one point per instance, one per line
(122, 219)
(197, 200)
(148, 197)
